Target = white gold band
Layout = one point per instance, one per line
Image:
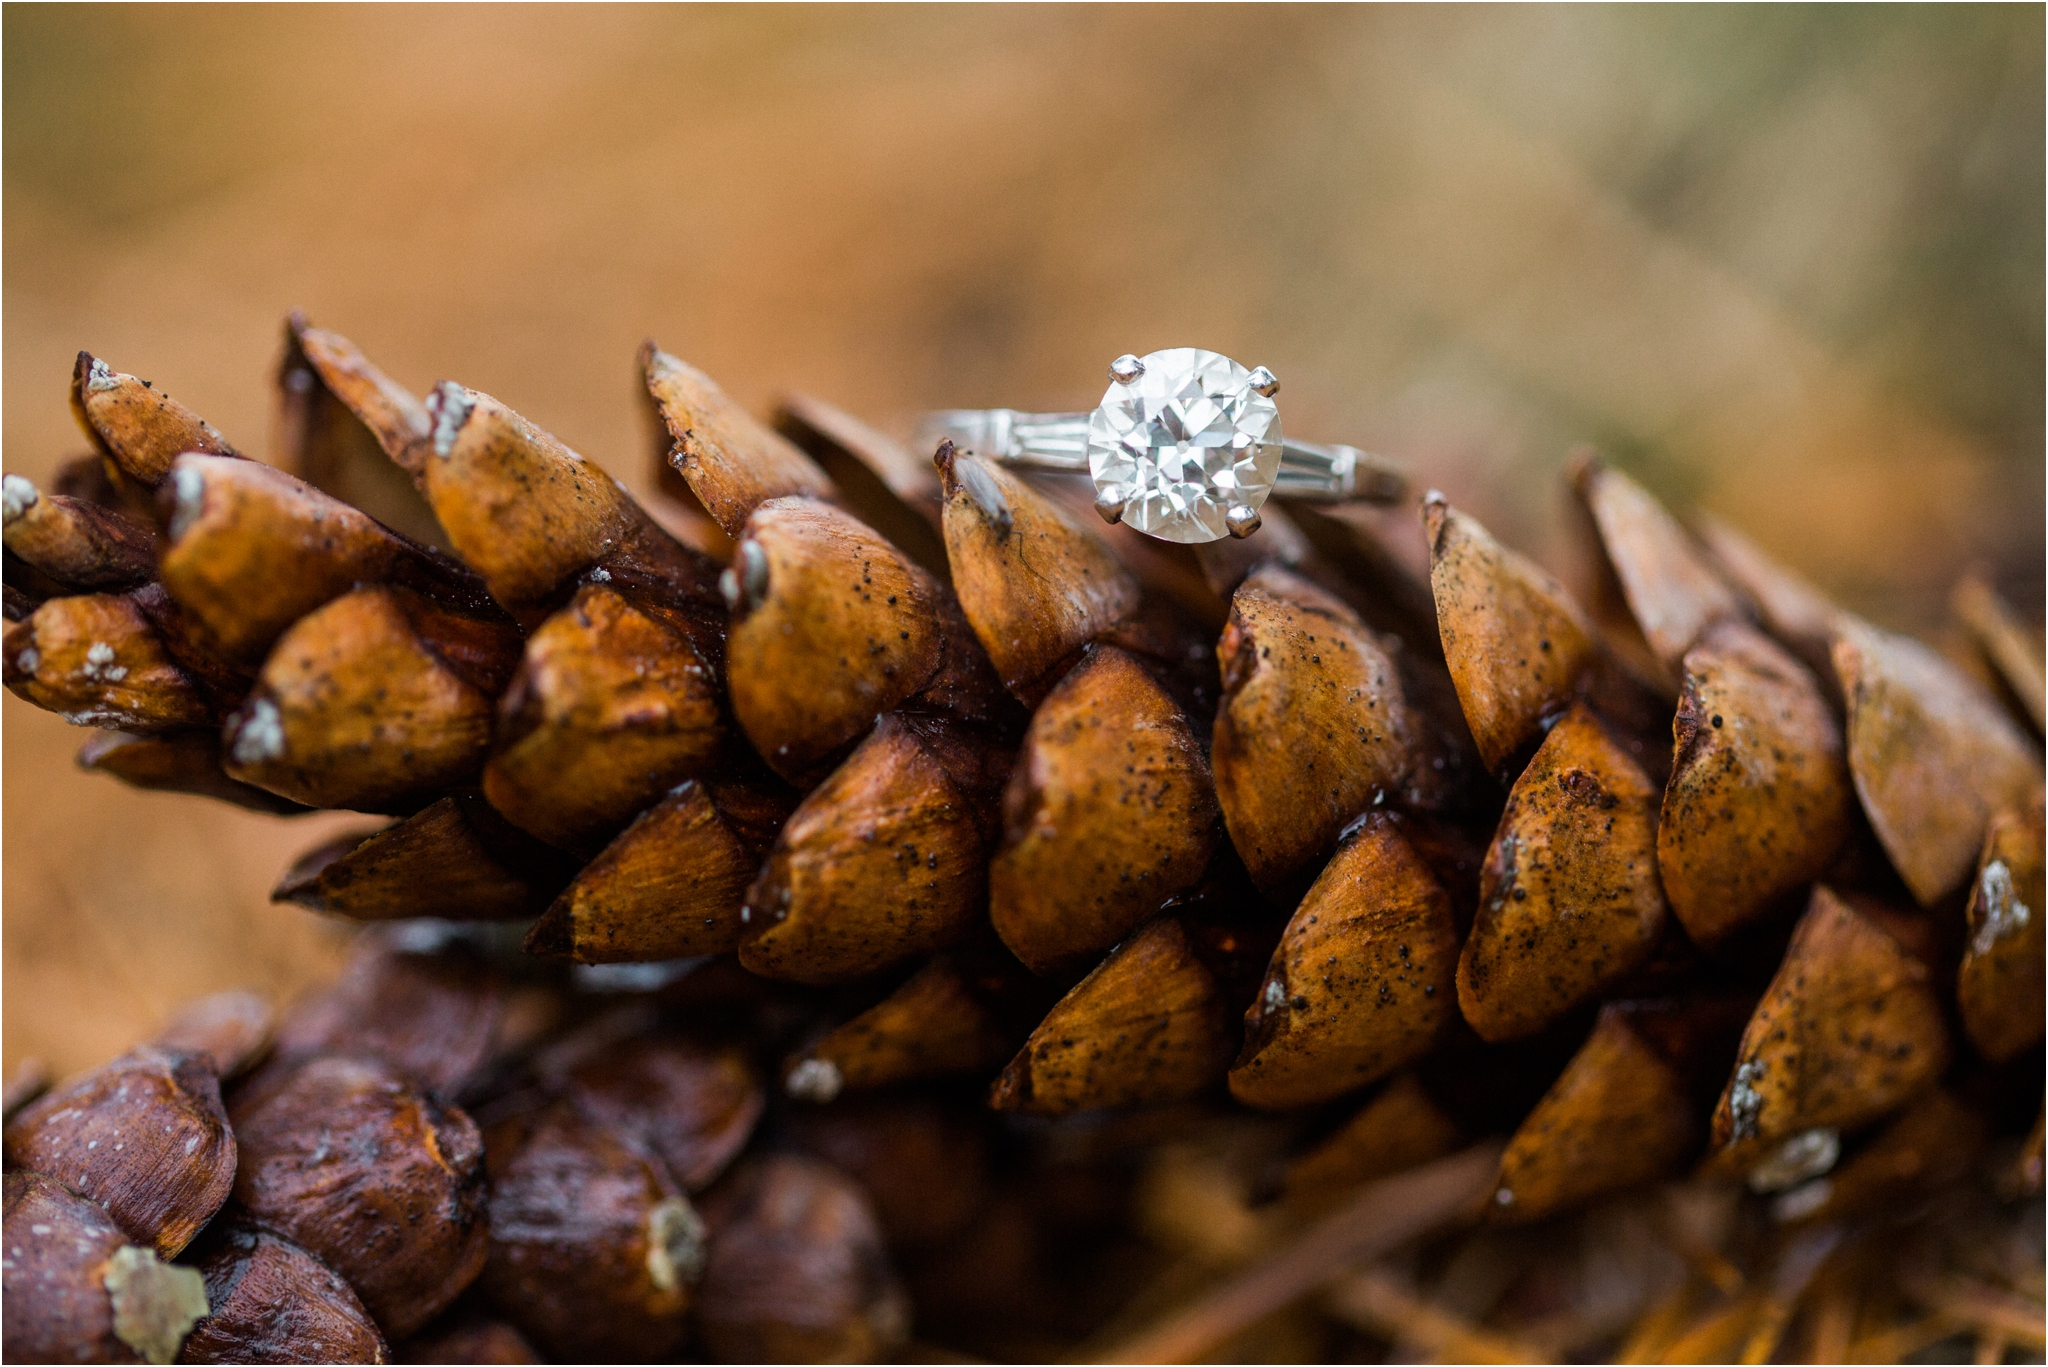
(1310, 471)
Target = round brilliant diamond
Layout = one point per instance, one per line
(1183, 443)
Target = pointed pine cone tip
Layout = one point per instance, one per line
(1364, 979)
(2004, 642)
(732, 461)
(300, 884)
(83, 373)
(76, 543)
(576, 755)
(295, 358)
(250, 1273)
(1618, 1116)
(1011, 1090)
(1759, 801)
(553, 935)
(523, 509)
(934, 1025)
(1582, 467)
(960, 472)
(1673, 594)
(1797, 1069)
(671, 885)
(838, 898)
(336, 1142)
(187, 762)
(1034, 584)
(1516, 644)
(97, 660)
(231, 525)
(1313, 730)
(373, 700)
(391, 413)
(101, 746)
(1999, 986)
(1570, 902)
(636, 1249)
(135, 425)
(436, 857)
(1932, 754)
(831, 627)
(1436, 510)
(162, 1104)
(1147, 1024)
(1110, 811)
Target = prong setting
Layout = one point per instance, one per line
(1126, 368)
(1242, 520)
(1264, 384)
(1110, 502)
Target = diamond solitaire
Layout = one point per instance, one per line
(1185, 447)
(1186, 444)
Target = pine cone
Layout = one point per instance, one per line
(842, 897)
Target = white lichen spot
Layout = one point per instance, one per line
(1275, 995)
(450, 404)
(99, 377)
(600, 575)
(1806, 1154)
(188, 499)
(29, 660)
(154, 1305)
(815, 1079)
(99, 666)
(2000, 911)
(1744, 1100)
(676, 1243)
(17, 496)
(261, 734)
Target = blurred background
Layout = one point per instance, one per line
(1785, 263)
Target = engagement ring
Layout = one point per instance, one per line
(1185, 446)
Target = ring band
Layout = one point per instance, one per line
(1186, 446)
